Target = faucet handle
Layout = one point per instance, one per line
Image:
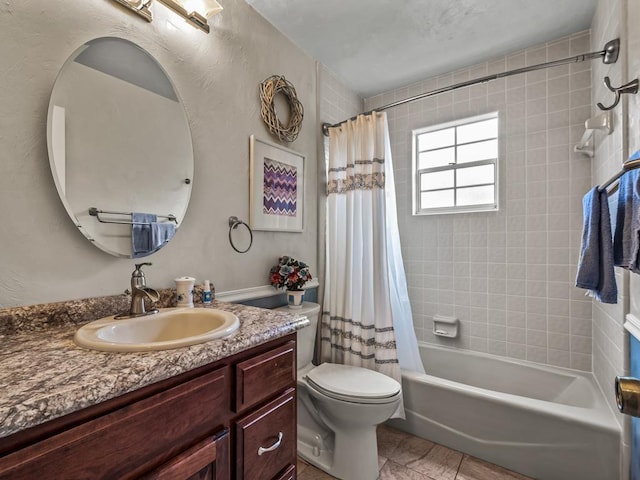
(138, 271)
(137, 277)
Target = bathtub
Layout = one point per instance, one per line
(545, 422)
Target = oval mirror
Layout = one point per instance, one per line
(120, 147)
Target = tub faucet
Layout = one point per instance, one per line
(140, 292)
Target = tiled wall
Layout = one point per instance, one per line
(608, 333)
(336, 102)
(508, 275)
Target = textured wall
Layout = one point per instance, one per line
(508, 275)
(42, 256)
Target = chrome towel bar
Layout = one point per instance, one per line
(94, 212)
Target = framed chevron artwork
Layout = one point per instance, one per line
(276, 191)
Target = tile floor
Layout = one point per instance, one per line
(404, 457)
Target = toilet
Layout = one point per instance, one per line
(339, 408)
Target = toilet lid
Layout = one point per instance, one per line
(353, 382)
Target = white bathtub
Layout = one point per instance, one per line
(545, 422)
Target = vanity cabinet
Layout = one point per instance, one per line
(192, 426)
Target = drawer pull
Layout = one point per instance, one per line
(262, 450)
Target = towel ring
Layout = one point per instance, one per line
(233, 224)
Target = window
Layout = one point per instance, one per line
(455, 166)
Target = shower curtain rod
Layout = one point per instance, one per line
(609, 55)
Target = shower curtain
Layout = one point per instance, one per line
(366, 315)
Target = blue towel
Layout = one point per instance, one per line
(613, 208)
(626, 241)
(595, 269)
(141, 245)
(161, 233)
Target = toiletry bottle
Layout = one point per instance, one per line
(206, 294)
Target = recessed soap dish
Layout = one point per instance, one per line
(444, 326)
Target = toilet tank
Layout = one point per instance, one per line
(306, 337)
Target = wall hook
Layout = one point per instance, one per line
(631, 87)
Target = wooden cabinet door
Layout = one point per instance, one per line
(207, 460)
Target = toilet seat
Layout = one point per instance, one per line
(353, 384)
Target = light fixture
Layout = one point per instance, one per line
(141, 7)
(196, 12)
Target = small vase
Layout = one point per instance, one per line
(294, 298)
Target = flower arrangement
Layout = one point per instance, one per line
(289, 273)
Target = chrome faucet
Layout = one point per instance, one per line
(140, 292)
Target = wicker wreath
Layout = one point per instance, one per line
(268, 90)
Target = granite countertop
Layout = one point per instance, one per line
(45, 375)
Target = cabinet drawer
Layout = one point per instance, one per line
(129, 441)
(266, 439)
(265, 375)
(288, 474)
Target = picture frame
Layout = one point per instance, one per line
(276, 187)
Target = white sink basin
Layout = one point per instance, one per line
(170, 328)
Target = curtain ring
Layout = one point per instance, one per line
(233, 224)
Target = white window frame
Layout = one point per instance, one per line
(417, 208)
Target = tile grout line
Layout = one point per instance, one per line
(420, 458)
(459, 465)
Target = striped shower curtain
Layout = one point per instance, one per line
(365, 295)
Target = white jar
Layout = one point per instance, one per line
(184, 291)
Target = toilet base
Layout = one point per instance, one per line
(348, 456)
(322, 459)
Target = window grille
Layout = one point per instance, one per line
(455, 166)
